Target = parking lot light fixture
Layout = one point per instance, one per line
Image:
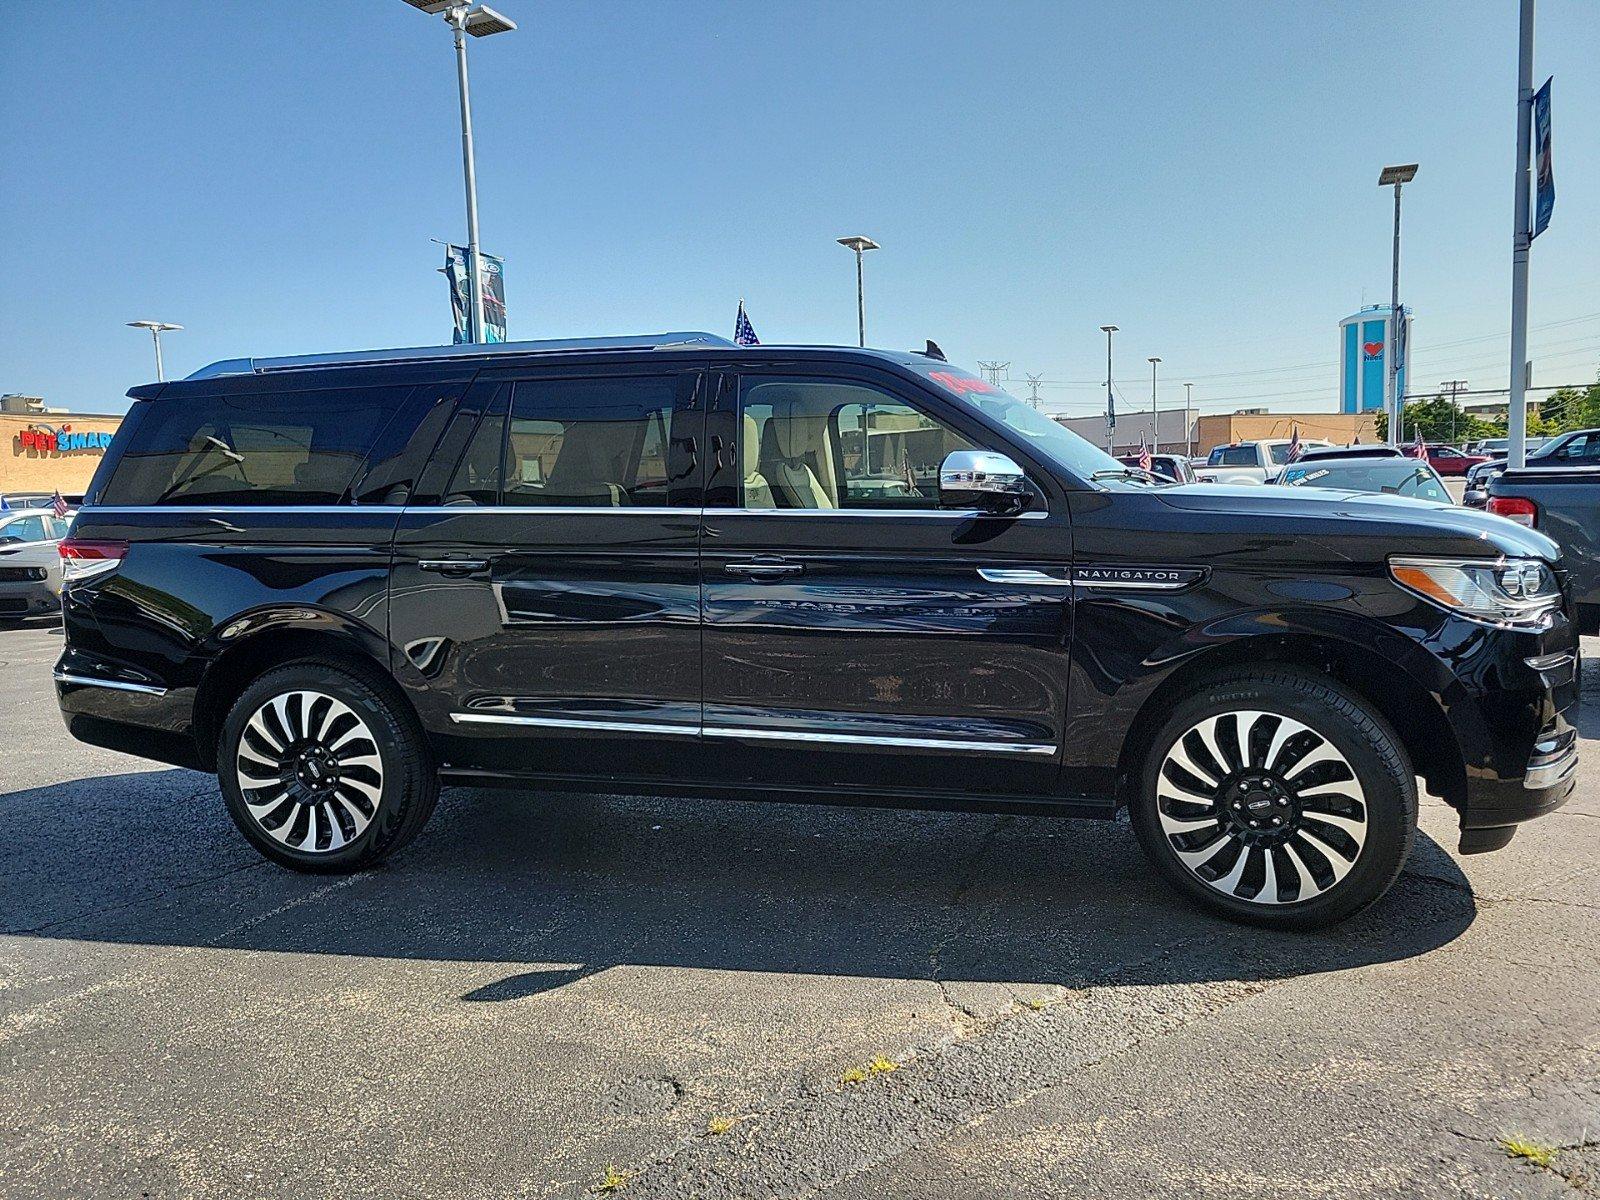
(860, 245)
(479, 20)
(1394, 177)
(156, 328)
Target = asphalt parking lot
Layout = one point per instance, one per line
(550, 994)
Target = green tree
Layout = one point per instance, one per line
(1441, 420)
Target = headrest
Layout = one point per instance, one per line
(750, 445)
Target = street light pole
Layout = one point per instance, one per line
(156, 328)
(1521, 240)
(1111, 407)
(1188, 423)
(480, 21)
(860, 245)
(1391, 375)
(1155, 420)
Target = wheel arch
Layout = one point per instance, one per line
(1381, 679)
(246, 647)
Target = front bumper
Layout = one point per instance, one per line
(29, 599)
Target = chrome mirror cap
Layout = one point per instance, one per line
(982, 479)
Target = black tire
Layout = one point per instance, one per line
(1377, 806)
(342, 808)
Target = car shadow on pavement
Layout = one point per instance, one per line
(559, 886)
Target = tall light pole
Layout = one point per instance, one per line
(1111, 407)
(860, 245)
(1188, 423)
(480, 21)
(1521, 240)
(1391, 375)
(1155, 422)
(156, 328)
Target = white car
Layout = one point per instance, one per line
(30, 564)
(1249, 462)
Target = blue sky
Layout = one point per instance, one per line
(1204, 176)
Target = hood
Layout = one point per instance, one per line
(1361, 525)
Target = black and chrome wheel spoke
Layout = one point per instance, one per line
(1261, 807)
(310, 771)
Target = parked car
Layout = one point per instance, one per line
(1248, 462)
(1565, 506)
(637, 565)
(1174, 468)
(30, 566)
(1447, 460)
(1579, 448)
(1393, 475)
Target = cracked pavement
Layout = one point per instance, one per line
(544, 987)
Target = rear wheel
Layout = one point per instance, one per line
(1277, 799)
(323, 770)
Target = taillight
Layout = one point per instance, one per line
(1515, 508)
(83, 557)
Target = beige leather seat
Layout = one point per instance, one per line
(797, 456)
(757, 491)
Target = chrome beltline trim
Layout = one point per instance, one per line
(549, 510)
(116, 685)
(740, 731)
(489, 718)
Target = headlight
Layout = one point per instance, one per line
(1508, 591)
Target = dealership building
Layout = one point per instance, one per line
(46, 450)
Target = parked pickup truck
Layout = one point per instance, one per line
(1248, 462)
(1580, 448)
(1564, 505)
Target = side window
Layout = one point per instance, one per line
(28, 529)
(834, 445)
(585, 443)
(1582, 448)
(285, 449)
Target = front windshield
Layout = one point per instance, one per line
(1396, 477)
(1049, 439)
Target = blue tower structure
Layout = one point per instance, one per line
(1364, 347)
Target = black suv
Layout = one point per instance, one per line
(675, 565)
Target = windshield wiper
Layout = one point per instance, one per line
(1133, 473)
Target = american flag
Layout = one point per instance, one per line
(744, 333)
(1145, 461)
(1419, 448)
(59, 504)
(1294, 444)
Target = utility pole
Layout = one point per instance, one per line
(1521, 240)
(1188, 421)
(1155, 421)
(1111, 406)
(1453, 388)
(1033, 390)
(992, 370)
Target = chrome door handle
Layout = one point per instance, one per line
(1022, 575)
(454, 566)
(764, 570)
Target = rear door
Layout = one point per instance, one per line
(545, 597)
(857, 634)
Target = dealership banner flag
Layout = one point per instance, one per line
(494, 293)
(1543, 164)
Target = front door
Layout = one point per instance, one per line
(857, 634)
(546, 595)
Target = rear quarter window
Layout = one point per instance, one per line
(285, 449)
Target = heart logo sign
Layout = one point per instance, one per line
(1373, 349)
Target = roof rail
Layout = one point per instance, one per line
(469, 351)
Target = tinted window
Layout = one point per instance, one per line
(1584, 447)
(1236, 456)
(828, 444)
(586, 443)
(293, 448)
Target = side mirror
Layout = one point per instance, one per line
(983, 480)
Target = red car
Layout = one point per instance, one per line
(1447, 460)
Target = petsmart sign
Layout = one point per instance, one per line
(44, 439)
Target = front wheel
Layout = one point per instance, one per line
(323, 769)
(1278, 799)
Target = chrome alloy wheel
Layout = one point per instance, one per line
(1261, 807)
(310, 771)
